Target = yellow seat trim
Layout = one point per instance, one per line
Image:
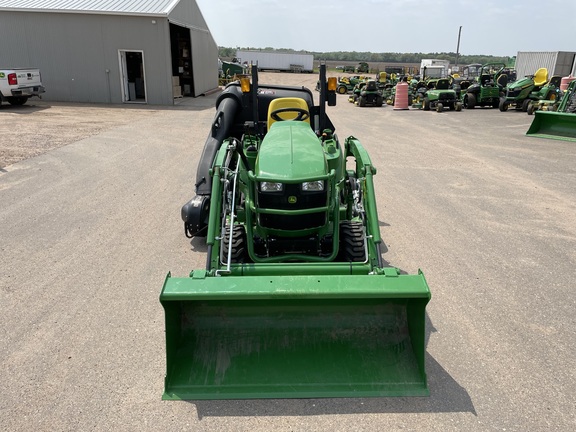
(287, 102)
(541, 77)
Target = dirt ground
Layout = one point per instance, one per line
(39, 126)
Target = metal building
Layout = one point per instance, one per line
(560, 63)
(111, 51)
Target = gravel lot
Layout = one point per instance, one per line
(90, 225)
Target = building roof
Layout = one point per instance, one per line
(109, 7)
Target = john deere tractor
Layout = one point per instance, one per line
(295, 300)
(487, 88)
(441, 96)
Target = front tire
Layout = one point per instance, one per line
(239, 250)
(426, 104)
(352, 242)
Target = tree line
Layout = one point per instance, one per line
(387, 57)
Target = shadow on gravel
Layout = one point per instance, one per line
(446, 396)
(29, 108)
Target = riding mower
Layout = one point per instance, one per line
(559, 124)
(487, 89)
(550, 104)
(520, 94)
(353, 98)
(370, 95)
(439, 96)
(295, 300)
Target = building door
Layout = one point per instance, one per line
(132, 76)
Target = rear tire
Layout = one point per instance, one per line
(17, 100)
(351, 242)
(469, 101)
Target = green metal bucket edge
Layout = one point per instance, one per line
(547, 120)
(264, 287)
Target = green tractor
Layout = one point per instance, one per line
(295, 300)
(370, 95)
(487, 88)
(441, 96)
(362, 67)
(524, 92)
(559, 124)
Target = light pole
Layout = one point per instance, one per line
(458, 47)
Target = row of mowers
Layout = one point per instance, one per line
(492, 86)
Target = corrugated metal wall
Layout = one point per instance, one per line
(557, 62)
(78, 53)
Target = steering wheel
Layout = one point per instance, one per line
(302, 114)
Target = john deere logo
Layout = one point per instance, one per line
(292, 199)
(2, 75)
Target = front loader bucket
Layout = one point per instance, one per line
(298, 336)
(554, 125)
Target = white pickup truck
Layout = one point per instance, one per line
(17, 85)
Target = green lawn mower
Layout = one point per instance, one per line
(522, 93)
(370, 95)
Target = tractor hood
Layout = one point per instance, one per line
(290, 152)
(522, 83)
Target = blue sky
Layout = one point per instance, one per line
(496, 27)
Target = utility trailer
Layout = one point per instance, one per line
(281, 62)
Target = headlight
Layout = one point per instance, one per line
(313, 186)
(271, 187)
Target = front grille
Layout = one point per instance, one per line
(292, 198)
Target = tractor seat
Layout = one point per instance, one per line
(485, 79)
(540, 77)
(287, 102)
(371, 86)
(555, 81)
(502, 80)
(442, 84)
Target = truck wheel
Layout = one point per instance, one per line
(17, 100)
(351, 242)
